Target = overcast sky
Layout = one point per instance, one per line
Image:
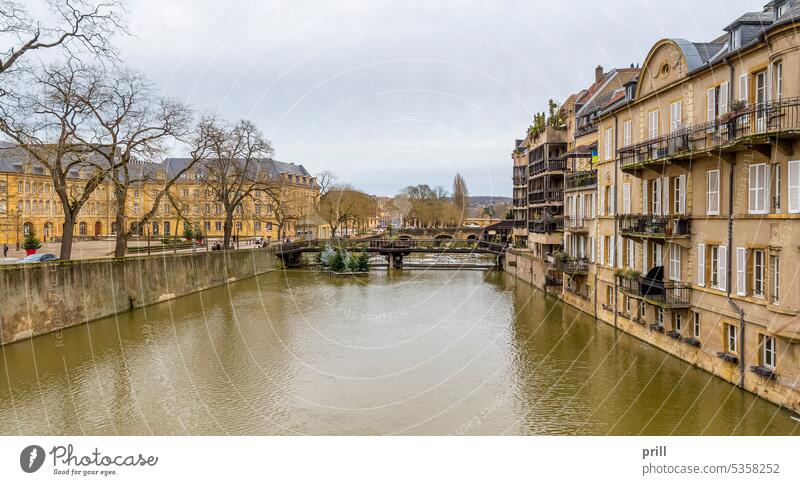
(392, 93)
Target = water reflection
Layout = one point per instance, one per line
(415, 352)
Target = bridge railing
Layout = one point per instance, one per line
(389, 244)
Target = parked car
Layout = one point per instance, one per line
(38, 258)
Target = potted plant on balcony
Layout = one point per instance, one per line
(31, 243)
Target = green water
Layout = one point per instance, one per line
(414, 352)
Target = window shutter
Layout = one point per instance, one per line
(620, 259)
(665, 191)
(711, 105)
(744, 86)
(701, 264)
(682, 190)
(626, 198)
(741, 282)
(612, 200)
(749, 266)
(612, 250)
(602, 207)
(723, 98)
(657, 196)
(722, 268)
(602, 241)
(645, 188)
(794, 186)
(645, 263)
(594, 249)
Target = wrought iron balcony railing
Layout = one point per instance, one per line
(553, 280)
(546, 227)
(654, 226)
(671, 294)
(580, 180)
(546, 196)
(576, 224)
(552, 165)
(573, 266)
(750, 123)
(520, 180)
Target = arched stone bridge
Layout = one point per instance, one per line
(394, 249)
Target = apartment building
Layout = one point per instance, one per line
(697, 189)
(28, 201)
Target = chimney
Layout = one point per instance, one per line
(598, 74)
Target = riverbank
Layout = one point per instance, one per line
(531, 270)
(43, 298)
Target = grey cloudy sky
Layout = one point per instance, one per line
(392, 93)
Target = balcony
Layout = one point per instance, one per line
(519, 224)
(520, 181)
(654, 226)
(585, 129)
(546, 227)
(582, 295)
(753, 124)
(576, 224)
(520, 202)
(581, 180)
(665, 294)
(552, 165)
(573, 266)
(553, 280)
(546, 196)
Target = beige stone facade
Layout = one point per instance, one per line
(692, 244)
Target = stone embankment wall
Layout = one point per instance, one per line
(529, 269)
(42, 298)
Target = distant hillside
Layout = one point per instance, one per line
(486, 200)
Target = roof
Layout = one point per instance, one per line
(753, 18)
(504, 225)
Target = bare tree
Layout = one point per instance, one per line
(85, 24)
(288, 206)
(234, 167)
(129, 129)
(44, 124)
(460, 194)
(338, 206)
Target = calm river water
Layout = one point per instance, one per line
(414, 352)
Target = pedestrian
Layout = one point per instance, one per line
(5, 250)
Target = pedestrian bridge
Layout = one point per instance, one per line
(394, 250)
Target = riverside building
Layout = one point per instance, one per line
(691, 244)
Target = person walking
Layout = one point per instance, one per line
(5, 250)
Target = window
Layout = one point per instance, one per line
(714, 280)
(744, 88)
(660, 316)
(166, 228)
(768, 351)
(631, 253)
(627, 305)
(775, 274)
(257, 226)
(652, 126)
(675, 116)
(757, 188)
(207, 226)
(731, 337)
(238, 226)
(696, 324)
(610, 296)
(218, 226)
(781, 10)
(626, 133)
(609, 143)
(736, 38)
(674, 262)
(712, 192)
(794, 186)
(657, 196)
(741, 271)
(679, 196)
(758, 273)
(642, 309)
(677, 322)
(779, 80)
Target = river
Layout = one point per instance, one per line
(407, 352)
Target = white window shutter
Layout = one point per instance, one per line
(620, 260)
(744, 87)
(682, 190)
(626, 198)
(645, 189)
(602, 241)
(645, 263)
(722, 268)
(612, 251)
(794, 186)
(657, 196)
(612, 200)
(741, 272)
(594, 254)
(665, 191)
(711, 102)
(701, 264)
(602, 196)
(723, 98)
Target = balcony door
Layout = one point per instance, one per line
(761, 101)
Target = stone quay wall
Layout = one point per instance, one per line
(41, 298)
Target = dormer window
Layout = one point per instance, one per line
(736, 38)
(781, 9)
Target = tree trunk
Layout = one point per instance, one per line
(121, 246)
(227, 228)
(66, 237)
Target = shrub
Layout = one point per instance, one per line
(337, 262)
(363, 262)
(326, 256)
(188, 234)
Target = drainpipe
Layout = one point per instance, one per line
(732, 303)
(616, 210)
